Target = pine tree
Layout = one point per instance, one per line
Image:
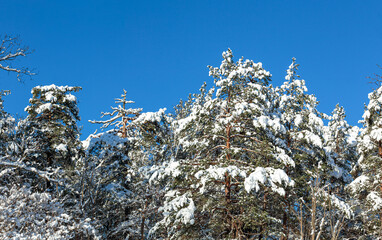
(7, 128)
(367, 187)
(120, 116)
(295, 109)
(25, 214)
(341, 141)
(152, 142)
(211, 191)
(38, 185)
(103, 179)
(122, 160)
(8, 145)
(50, 136)
(306, 205)
(340, 146)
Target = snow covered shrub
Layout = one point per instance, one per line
(32, 215)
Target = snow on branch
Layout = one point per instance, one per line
(43, 174)
(120, 116)
(3, 93)
(269, 177)
(10, 50)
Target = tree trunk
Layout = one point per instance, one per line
(301, 223)
(380, 215)
(263, 226)
(313, 220)
(143, 228)
(285, 215)
(143, 221)
(285, 227)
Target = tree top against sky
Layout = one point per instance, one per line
(158, 51)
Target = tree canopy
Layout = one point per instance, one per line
(242, 159)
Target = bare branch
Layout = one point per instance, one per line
(376, 79)
(11, 50)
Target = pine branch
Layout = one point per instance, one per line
(42, 174)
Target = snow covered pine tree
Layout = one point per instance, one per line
(310, 166)
(120, 116)
(218, 189)
(37, 204)
(7, 128)
(51, 132)
(122, 159)
(367, 187)
(242, 160)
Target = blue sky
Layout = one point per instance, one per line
(158, 50)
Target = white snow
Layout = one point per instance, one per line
(70, 98)
(50, 97)
(53, 87)
(376, 134)
(375, 199)
(167, 169)
(218, 173)
(282, 157)
(44, 107)
(62, 147)
(298, 120)
(183, 205)
(150, 116)
(359, 183)
(187, 214)
(109, 138)
(269, 177)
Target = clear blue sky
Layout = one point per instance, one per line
(158, 50)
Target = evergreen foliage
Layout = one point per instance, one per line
(241, 160)
(51, 132)
(7, 128)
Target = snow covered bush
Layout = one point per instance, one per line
(32, 215)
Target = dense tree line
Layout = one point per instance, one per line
(241, 160)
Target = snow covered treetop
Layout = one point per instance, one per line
(47, 98)
(109, 138)
(52, 87)
(292, 83)
(120, 116)
(291, 72)
(240, 71)
(373, 110)
(49, 93)
(370, 143)
(151, 116)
